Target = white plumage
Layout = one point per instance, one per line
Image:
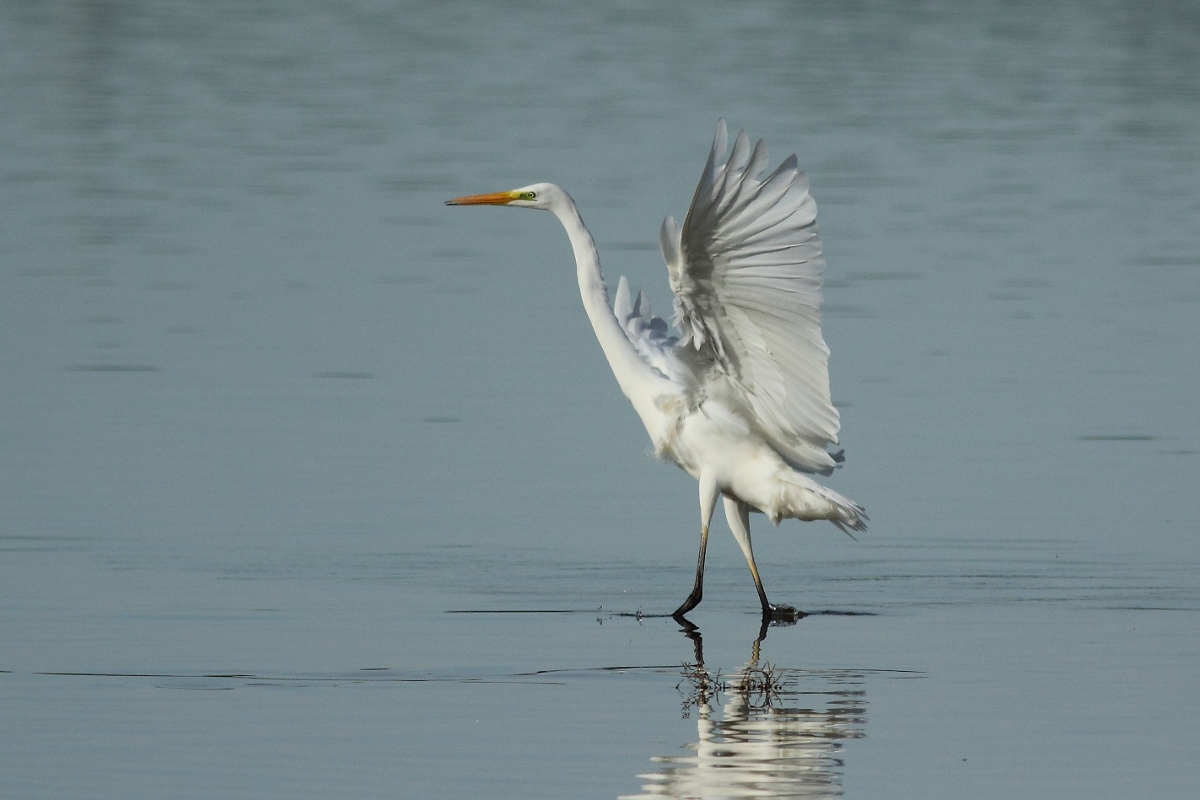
(740, 398)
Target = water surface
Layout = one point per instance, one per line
(275, 417)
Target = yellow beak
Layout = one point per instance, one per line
(493, 199)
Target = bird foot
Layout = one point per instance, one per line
(782, 615)
(692, 601)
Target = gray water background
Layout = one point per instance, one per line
(271, 412)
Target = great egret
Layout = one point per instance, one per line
(740, 399)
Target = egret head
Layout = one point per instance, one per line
(536, 195)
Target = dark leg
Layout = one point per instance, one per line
(708, 502)
(693, 599)
(738, 514)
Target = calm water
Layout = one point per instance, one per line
(313, 487)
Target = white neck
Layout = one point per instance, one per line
(639, 382)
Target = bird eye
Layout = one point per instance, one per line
(530, 196)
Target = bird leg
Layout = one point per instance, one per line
(738, 514)
(693, 599)
(708, 502)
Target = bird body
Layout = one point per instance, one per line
(740, 399)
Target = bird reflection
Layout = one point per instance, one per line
(762, 732)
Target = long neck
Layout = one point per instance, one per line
(638, 381)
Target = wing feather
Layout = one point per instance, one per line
(747, 271)
(649, 334)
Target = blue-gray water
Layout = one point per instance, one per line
(273, 417)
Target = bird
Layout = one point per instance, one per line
(737, 395)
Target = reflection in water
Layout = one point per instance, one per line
(762, 732)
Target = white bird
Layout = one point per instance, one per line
(740, 398)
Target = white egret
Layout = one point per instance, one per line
(740, 398)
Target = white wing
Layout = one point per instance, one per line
(746, 273)
(650, 335)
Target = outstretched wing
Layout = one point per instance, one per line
(746, 272)
(649, 335)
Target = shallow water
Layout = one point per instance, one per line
(314, 487)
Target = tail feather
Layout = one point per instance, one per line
(808, 500)
(850, 515)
